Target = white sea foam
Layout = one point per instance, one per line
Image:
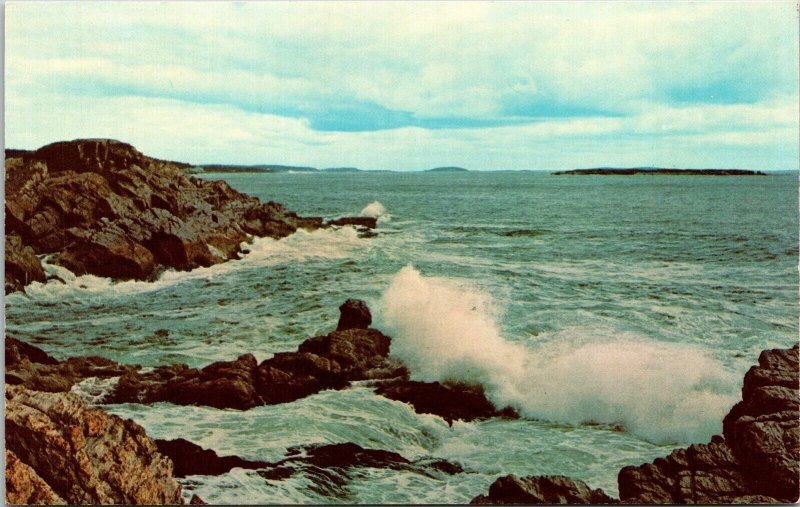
(94, 389)
(300, 246)
(664, 392)
(377, 210)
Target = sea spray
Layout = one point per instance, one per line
(664, 392)
(377, 210)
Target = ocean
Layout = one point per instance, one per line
(617, 314)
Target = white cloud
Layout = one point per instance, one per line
(222, 77)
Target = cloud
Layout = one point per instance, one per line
(437, 76)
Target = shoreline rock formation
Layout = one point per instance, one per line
(82, 454)
(757, 460)
(101, 207)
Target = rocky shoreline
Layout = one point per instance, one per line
(755, 461)
(100, 207)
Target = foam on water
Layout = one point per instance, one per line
(298, 247)
(447, 330)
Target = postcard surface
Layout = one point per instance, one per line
(401, 252)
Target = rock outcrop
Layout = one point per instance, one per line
(103, 208)
(323, 362)
(83, 454)
(31, 367)
(191, 459)
(542, 489)
(448, 400)
(755, 462)
(25, 487)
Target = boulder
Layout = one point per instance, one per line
(542, 489)
(354, 314)
(85, 455)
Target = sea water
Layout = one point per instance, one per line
(617, 314)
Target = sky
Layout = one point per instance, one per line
(406, 86)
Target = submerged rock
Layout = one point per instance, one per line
(104, 208)
(542, 489)
(85, 455)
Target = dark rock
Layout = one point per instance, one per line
(85, 455)
(322, 362)
(763, 430)
(365, 222)
(224, 384)
(30, 366)
(196, 500)
(22, 265)
(755, 462)
(354, 314)
(106, 209)
(542, 489)
(191, 459)
(448, 400)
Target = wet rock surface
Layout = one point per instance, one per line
(542, 489)
(31, 367)
(354, 314)
(323, 362)
(755, 462)
(449, 400)
(104, 208)
(83, 454)
(191, 459)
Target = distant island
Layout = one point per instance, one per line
(448, 169)
(608, 171)
(262, 168)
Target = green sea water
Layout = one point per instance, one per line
(616, 313)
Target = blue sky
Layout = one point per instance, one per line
(515, 85)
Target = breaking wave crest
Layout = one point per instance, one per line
(664, 392)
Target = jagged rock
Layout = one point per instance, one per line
(755, 462)
(542, 489)
(191, 459)
(22, 265)
(763, 430)
(449, 400)
(363, 222)
(224, 384)
(106, 209)
(30, 366)
(25, 487)
(322, 362)
(85, 455)
(354, 314)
